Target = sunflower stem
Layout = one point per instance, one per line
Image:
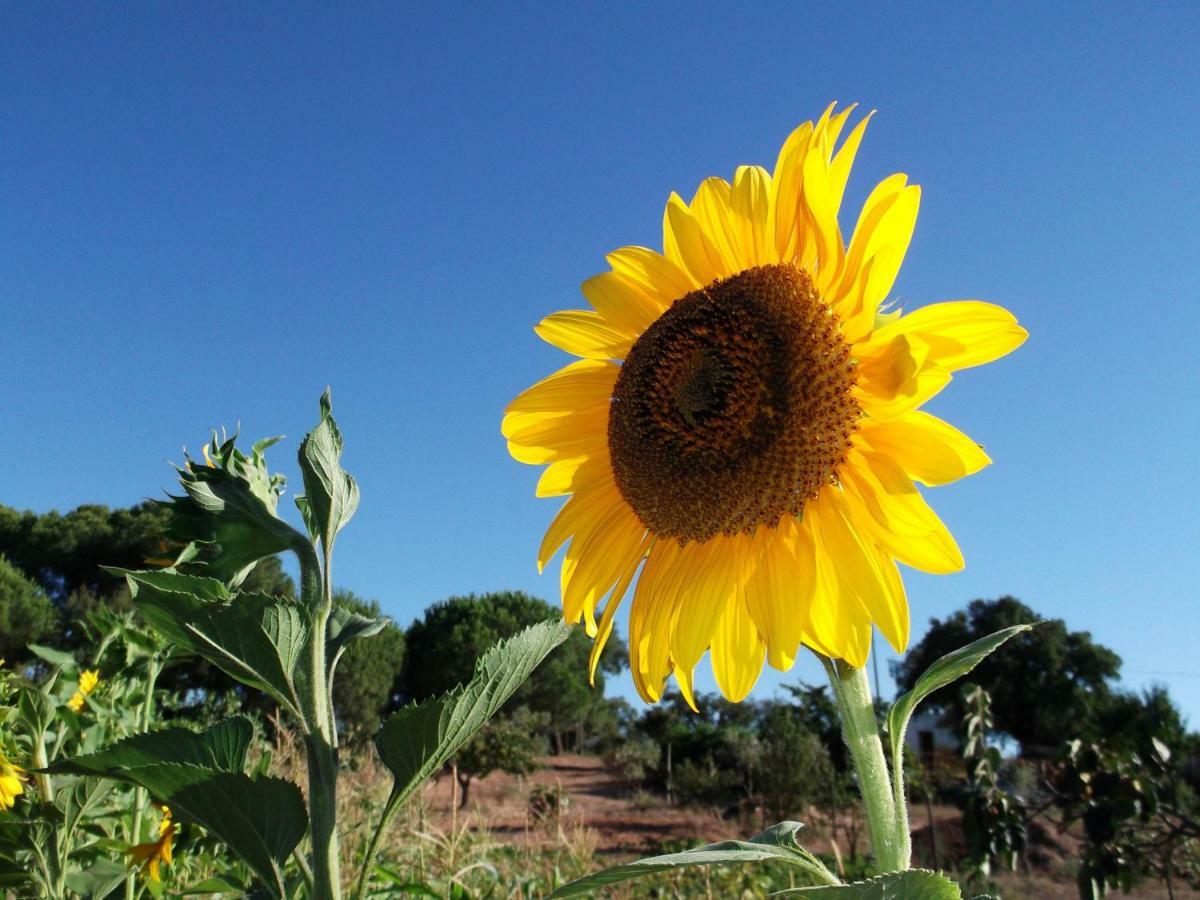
(887, 824)
(321, 736)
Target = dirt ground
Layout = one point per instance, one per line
(623, 824)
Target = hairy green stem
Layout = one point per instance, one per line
(139, 795)
(887, 822)
(321, 737)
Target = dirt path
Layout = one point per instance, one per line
(622, 821)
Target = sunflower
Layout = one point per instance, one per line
(88, 681)
(741, 434)
(151, 855)
(10, 783)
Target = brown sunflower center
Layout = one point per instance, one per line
(733, 408)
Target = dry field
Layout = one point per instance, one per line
(620, 824)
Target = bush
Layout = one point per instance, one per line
(26, 613)
(633, 761)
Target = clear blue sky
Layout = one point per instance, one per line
(209, 212)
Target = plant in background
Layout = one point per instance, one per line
(741, 434)
(993, 822)
(225, 522)
(1139, 816)
(66, 826)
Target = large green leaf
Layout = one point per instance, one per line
(948, 669)
(261, 819)
(200, 776)
(915, 884)
(330, 494)
(221, 748)
(254, 638)
(415, 742)
(777, 843)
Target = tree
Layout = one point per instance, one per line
(1067, 673)
(26, 613)
(445, 643)
(367, 682)
(64, 553)
(1130, 723)
(509, 743)
(795, 768)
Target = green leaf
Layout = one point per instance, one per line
(262, 820)
(169, 581)
(212, 885)
(99, 880)
(228, 510)
(221, 748)
(344, 628)
(415, 742)
(36, 709)
(330, 495)
(254, 638)
(948, 669)
(776, 843)
(55, 657)
(915, 884)
(199, 775)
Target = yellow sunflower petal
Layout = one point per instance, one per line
(818, 196)
(712, 209)
(610, 611)
(580, 514)
(779, 591)
(904, 524)
(650, 619)
(708, 586)
(750, 203)
(596, 560)
(583, 384)
(584, 433)
(568, 476)
(787, 189)
(659, 276)
(691, 248)
(623, 303)
(585, 333)
(930, 450)
(737, 651)
(843, 161)
(896, 376)
(960, 333)
(857, 569)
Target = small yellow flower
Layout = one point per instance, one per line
(151, 855)
(10, 783)
(88, 681)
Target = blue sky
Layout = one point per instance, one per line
(209, 212)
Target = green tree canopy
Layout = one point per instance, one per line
(444, 644)
(26, 613)
(64, 553)
(1047, 685)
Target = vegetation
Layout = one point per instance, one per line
(1072, 677)
(1117, 768)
